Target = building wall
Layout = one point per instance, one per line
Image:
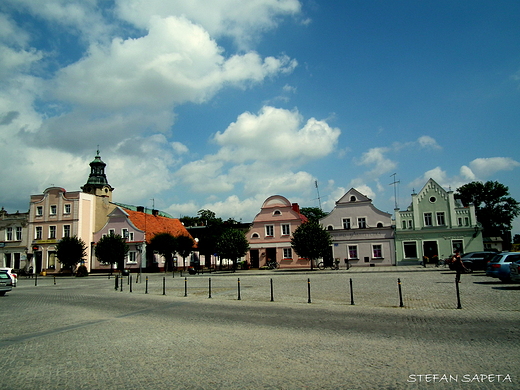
(436, 225)
(270, 235)
(13, 239)
(360, 232)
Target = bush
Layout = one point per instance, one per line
(82, 271)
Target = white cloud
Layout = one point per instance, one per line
(276, 135)
(486, 167)
(428, 142)
(381, 164)
(238, 19)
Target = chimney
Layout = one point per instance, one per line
(140, 209)
(296, 207)
(155, 213)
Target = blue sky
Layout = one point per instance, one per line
(219, 105)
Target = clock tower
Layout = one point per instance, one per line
(97, 184)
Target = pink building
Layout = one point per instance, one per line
(270, 235)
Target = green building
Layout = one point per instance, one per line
(434, 226)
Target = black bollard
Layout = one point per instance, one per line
(185, 286)
(309, 290)
(209, 287)
(459, 306)
(272, 295)
(121, 283)
(400, 293)
(55, 280)
(36, 279)
(146, 286)
(163, 286)
(117, 283)
(351, 293)
(130, 278)
(239, 289)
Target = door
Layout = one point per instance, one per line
(430, 250)
(254, 258)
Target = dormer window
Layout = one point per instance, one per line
(255, 235)
(353, 198)
(277, 212)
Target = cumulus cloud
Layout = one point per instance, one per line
(486, 167)
(428, 142)
(376, 157)
(276, 135)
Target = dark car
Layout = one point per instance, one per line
(477, 261)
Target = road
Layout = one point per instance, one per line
(82, 333)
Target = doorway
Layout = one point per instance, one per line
(430, 250)
(254, 258)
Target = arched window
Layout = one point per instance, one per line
(277, 212)
(379, 224)
(330, 227)
(352, 198)
(255, 235)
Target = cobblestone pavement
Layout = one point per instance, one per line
(82, 333)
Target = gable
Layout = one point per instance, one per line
(352, 196)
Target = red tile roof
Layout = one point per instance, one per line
(153, 225)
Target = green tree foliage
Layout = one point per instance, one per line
(112, 249)
(184, 247)
(232, 244)
(313, 213)
(494, 207)
(311, 241)
(71, 251)
(166, 245)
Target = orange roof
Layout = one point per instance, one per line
(153, 225)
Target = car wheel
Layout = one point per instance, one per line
(2, 293)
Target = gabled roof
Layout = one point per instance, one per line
(353, 195)
(153, 225)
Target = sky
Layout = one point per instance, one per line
(220, 104)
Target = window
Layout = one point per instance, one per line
(410, 249)
(269, 230)
(457, 245)
(255, 235)
(440, 219)
(287, 253)
(53, 210)
(286, 229)
(404, 224)
(346, 223)
(352, 198)
(428, 219)
(352, 252)
(130, 236)
(380, 224)
(466, 221)
(66, 231)
(39, 211)
(18, 233)
(377, 251)
(9, 234)
(277, 212)
(52, 232)
(124, 233)
(38, 232)
(66, 209)
(111, 232)
(460, 221)
(131, 258)
(410, 224)
(362, 223)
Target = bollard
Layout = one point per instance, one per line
(185, 286)
(163, 286)
(55, 280)
(121, 282)
(130, 278)
(351, 293)
(272, 295)
(459, 306)
(400, 293)
(36, 279)
(146, 286)
(117, 283)
(239, 289)
(209, 287)
(309, 290)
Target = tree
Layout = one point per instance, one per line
(184, 247)
(112, 249)
(313, 213)
(232, 244)
(494, 207)
(166, 245)
(310, 240)
(71, 251)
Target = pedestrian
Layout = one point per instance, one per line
(458, 265)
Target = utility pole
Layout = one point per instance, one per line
(318, 190)
(394, 183)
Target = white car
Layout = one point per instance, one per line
(12, 274)
(6, 283)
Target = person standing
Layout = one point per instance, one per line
(458, 265)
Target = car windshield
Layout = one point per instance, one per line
(495, 259)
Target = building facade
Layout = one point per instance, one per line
(13, 239)
(434, 226)
(56, 214)
(270, 234)
(361, 234)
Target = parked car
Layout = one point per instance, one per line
(514, 269)
(477, 261)
(498, 266)
(6, 283)
(12, 274)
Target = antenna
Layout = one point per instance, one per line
(318, 191)
(395, 182)
(153, 203)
